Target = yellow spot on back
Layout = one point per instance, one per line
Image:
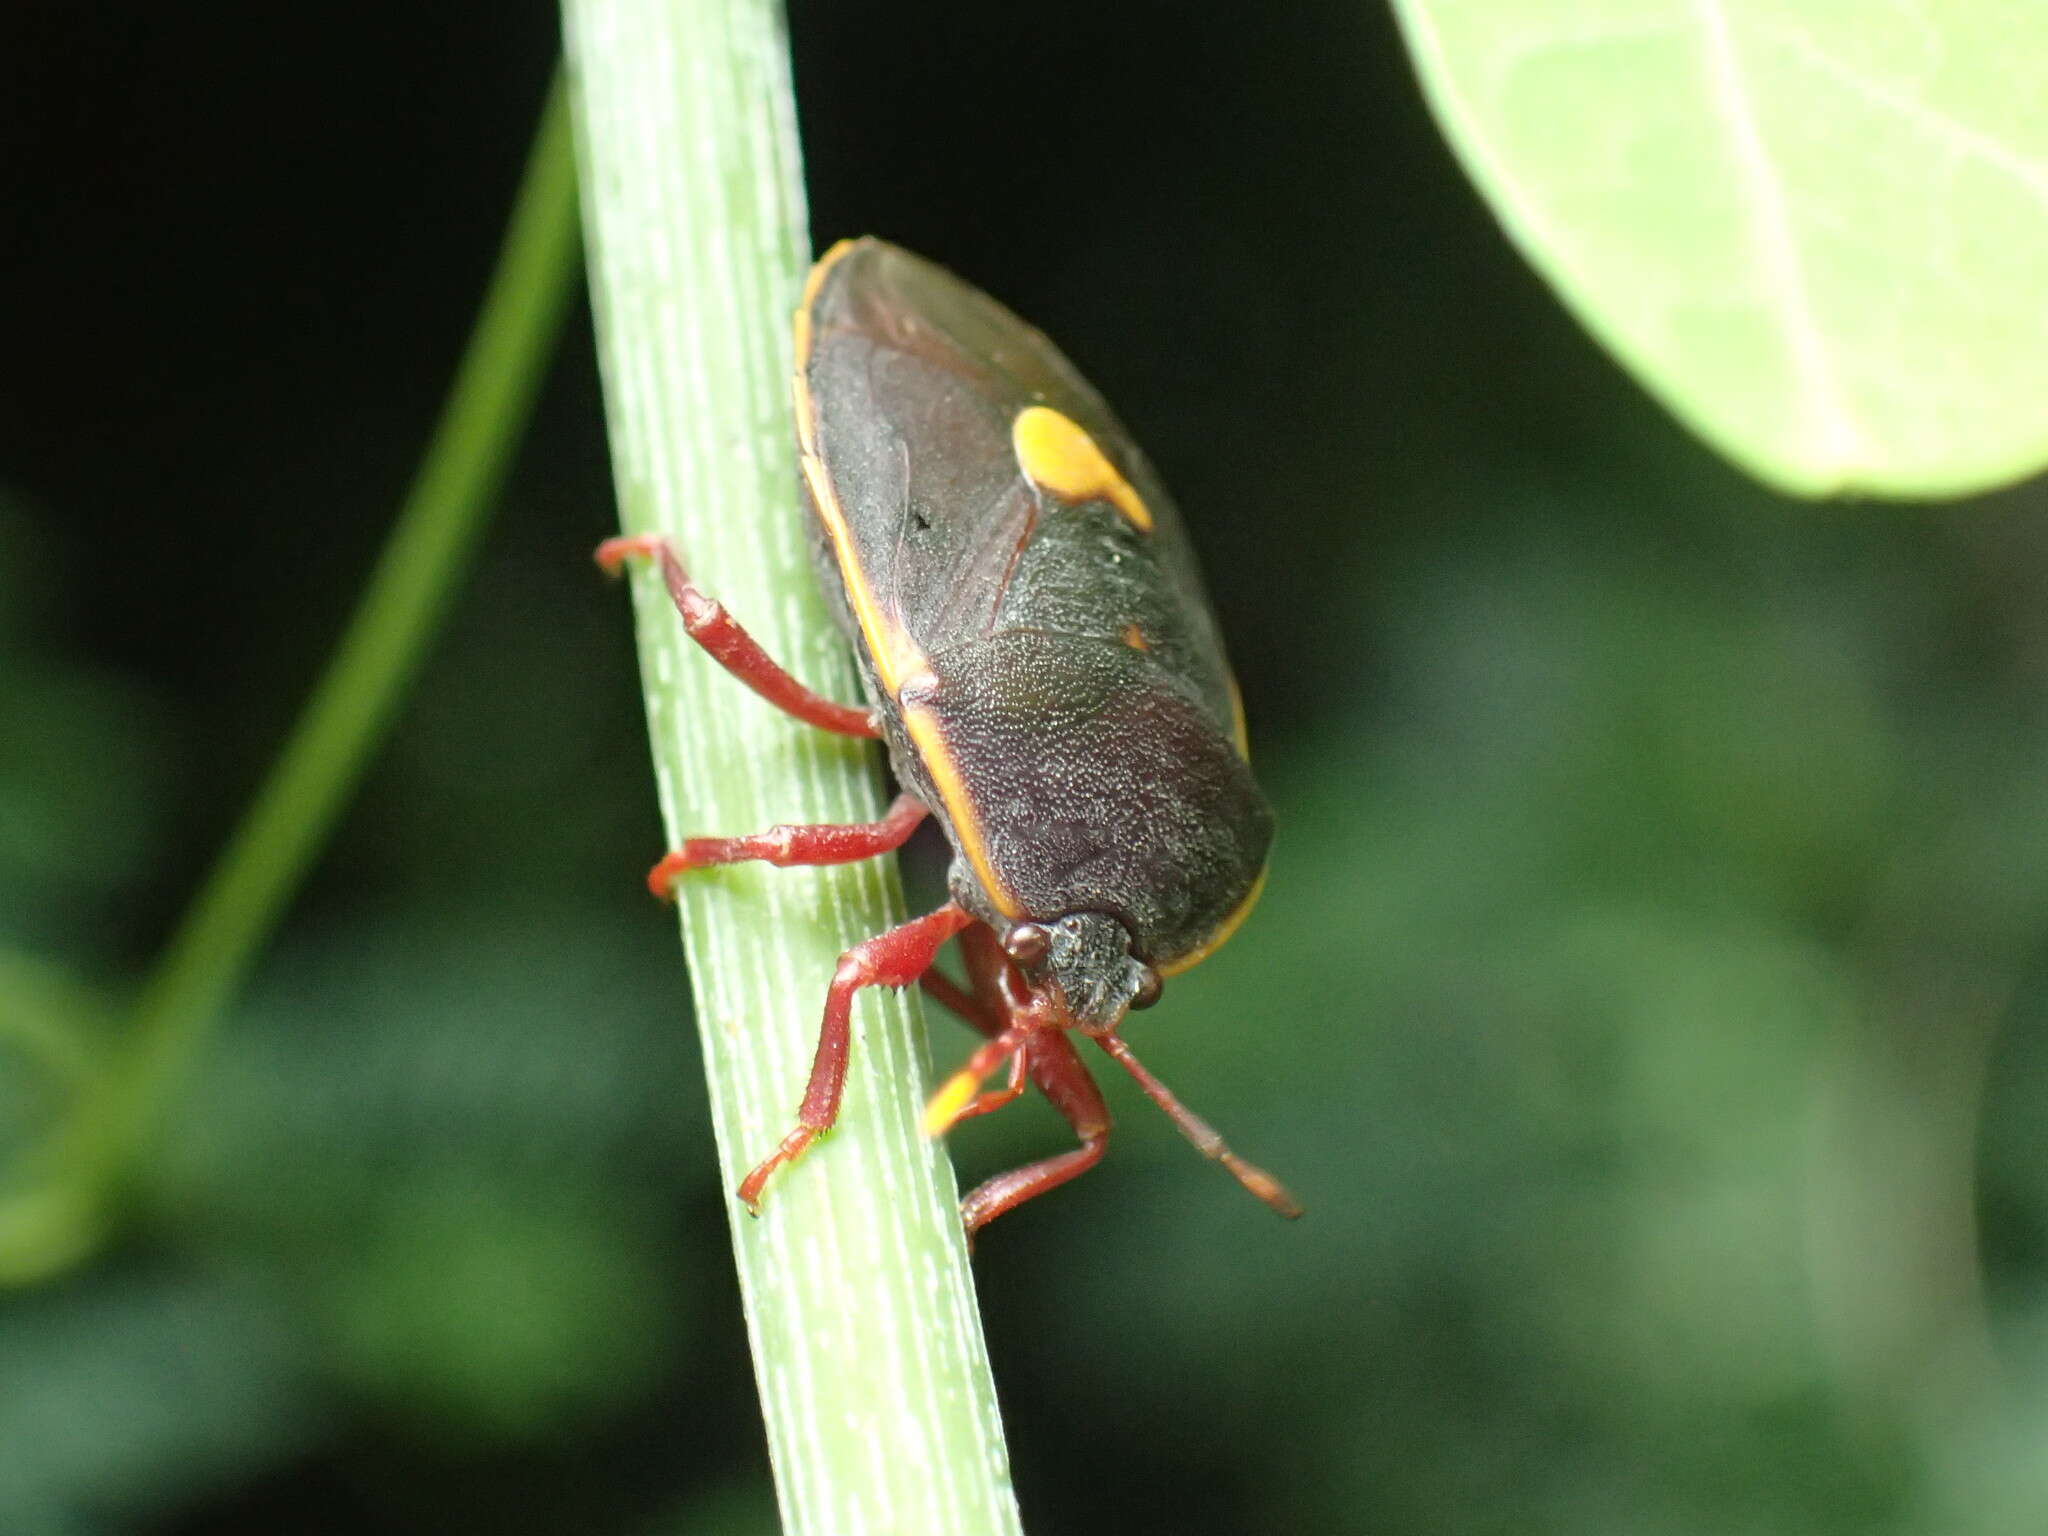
(1058, 455)
(1134, 637)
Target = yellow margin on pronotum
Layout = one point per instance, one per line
(897, 657)
(1221, 936)
(938, 760)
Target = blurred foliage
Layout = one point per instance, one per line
(1650, 1000)
(438, 1192)
(71, 824)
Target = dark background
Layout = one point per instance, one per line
(1648, 1000)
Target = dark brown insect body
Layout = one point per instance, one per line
(1043, 666)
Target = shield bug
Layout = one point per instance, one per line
(1042, 664)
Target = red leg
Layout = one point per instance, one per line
(990, 1002)
(1053, 1064)
(944, 992)
(1061, 1077)
(787, 845)
(948, 994)
(892, 959)
(731, 646)
(989, 1103)
(960, 1095)
(1200, 1132)
(998, 995)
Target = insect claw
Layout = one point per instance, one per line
(612, 555)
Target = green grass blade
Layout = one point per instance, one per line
(880, 1410)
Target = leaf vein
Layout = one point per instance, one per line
(1936, 123)
(1839, 441)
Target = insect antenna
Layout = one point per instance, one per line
(1201, 1132)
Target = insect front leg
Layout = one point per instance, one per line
(1046, 1055)
(943, 992)
(707, 623)
(787, 845)
(892, 959)
(987, 1009)
(1058, 1071)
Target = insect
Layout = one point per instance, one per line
(1043, 667)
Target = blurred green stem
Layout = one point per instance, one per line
(880, 1408)
(274, 847)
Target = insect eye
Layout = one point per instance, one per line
(1027, 943)
(1150, 987)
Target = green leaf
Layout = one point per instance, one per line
(1816, 229)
